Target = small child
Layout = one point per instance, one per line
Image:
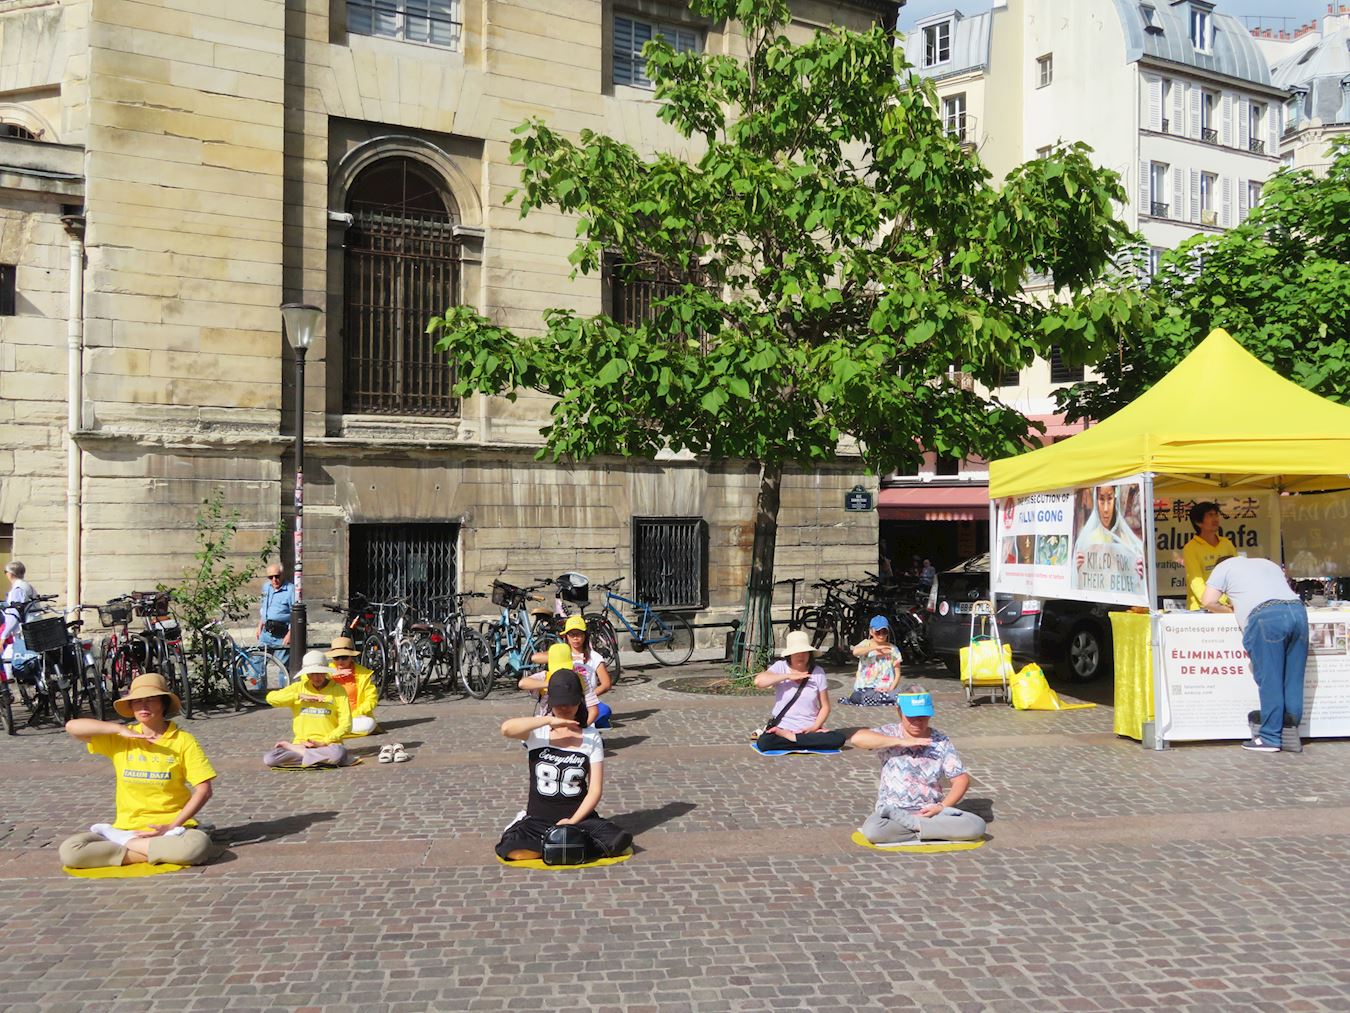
(878, 667)
(560, 659)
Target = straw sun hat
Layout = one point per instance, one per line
(797, 642)
(148, 685)
(343, 647)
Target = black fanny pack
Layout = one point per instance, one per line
(567, 845)
(276, 627)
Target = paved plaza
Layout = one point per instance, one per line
(1202, 877)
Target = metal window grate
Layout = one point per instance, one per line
(1060, 372)
(419, 562)
(633, 295)
(670, 561)
(9, 293)
(631, 34)
(401, 270)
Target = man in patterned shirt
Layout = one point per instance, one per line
(911, 805)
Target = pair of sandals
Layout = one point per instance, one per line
(394, 753)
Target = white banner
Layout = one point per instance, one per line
(1207, 685)
(1086, 544)
(1250, 521)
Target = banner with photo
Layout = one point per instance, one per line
(1250, 520)
(1086, 544)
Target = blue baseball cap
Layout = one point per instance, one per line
(879, 623)
(916, 705)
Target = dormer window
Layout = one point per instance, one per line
(1202, 28)
(937, 43)
(1150, 16)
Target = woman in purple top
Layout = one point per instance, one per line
(801, 705)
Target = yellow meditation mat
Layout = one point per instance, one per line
(918, 847)
(538, 863)
(320, 766)
(124, 871)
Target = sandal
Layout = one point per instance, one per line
(398, 754)
(387, 754)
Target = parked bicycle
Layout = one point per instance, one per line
(514, 637)
(164, 637)
(450, 650)
(250, 673)
(367, 623)
(52, 669)
(667, 635)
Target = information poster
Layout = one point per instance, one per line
(1208, 688)
(1249, 520)
(1086, 544)
(1317, 534)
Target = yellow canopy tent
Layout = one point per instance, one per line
(1221, 418)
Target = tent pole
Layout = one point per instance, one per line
(1151, 590)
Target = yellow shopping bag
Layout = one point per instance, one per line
(1030, 692)
(982, 664)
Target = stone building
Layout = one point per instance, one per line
(173, 170)
(1312, 64)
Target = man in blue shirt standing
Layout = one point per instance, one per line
(274, 612)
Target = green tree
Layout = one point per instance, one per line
(1279, 283)
(220, 580)
(832, 252)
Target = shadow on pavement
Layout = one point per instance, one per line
(262, 831)
(389, 726)
(623, 742)
(641, 820)
(981, 807)
(623, 717)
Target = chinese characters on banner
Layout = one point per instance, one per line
(1249, 520)
(1086, 544)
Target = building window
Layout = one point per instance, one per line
(1209, 133)
(1202, 29)
(1208, 184)
(17, 130)
(1253, 195)
(402, 267)
(670, 561)
(947, 466)
(1158, 175)
(1045, 70)
(937, 44)
(418, 563)
(1010, 378)
(6, 542)
(1155, 255)
(1256, 128)
(437, 22)
(954, 116)
(633, 294)
(1150, 16)
(1060, 372)
(9, 295)
(631, 34)
(1165, 101)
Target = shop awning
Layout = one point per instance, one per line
(966, 502)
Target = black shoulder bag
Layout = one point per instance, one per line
(773, 721)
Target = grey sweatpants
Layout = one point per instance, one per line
(90, 851)
(891, 826)
(309, 756)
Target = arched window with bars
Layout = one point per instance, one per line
(402, 266)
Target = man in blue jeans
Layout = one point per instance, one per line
(1274, 627)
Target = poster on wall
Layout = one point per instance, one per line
(1250, 520)
(1208, 688)
(1086, 544)
(1317, 534)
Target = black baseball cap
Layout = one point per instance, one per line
(564, 689)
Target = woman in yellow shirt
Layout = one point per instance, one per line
(357, 680)
(163, 780)
(321, 717)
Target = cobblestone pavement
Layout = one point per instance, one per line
(1201, 877)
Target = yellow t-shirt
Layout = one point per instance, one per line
(323, 721)
(154, 779)
(1200, 559)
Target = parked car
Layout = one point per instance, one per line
(1069, 637)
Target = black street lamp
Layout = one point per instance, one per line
(301, 320)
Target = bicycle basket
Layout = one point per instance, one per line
(42, 635)
(506, 595)
(574, 587)
(150, 604)
(115, 613)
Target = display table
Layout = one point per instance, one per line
(1206, 685)
(1130, 634)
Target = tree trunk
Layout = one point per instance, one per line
(757, 642)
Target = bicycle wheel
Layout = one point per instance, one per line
(430, 660)
(475, 665)
(6, 707)
(674, 641)
(175, 672)
(60, 697)
(256, 673)
(605, 643)
(820, 625)
(94, 694)
(375, 656)
(407, 669)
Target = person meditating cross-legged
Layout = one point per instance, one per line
(357, 680)
(321, 718)
(915, 757)
(800, 703)
(566, 764)
(163, 780)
